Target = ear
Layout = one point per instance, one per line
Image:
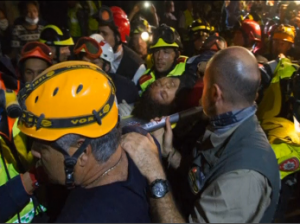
(217, 94)
(84, 158)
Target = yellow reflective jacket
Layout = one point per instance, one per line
(270, 105)
(188, 21)
(93, 23)
(149, 76)
(285, 142)
(74, 26)
(27, 214)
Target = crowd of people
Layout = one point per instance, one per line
(74, 101)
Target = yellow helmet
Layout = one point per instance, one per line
(165, 36)
(54, 36)
(285, 33)
(73, 97)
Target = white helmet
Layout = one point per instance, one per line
(107, 51)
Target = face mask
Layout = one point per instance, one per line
(32, 21)
(3, 24)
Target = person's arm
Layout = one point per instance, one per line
(154, 14)
(144, 152)
(240, 196)
(134, 11)
(15, 195)
(165, 138)
(15, 43)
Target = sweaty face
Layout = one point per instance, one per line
(52, 161)
(238, 39)
(164, 59)
(32, 11)
(280, 47)
(33, 67)
(164, 90)
(139, 45)
(108, 35)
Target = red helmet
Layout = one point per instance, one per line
(122, 23)
(251, 29)
(116, 19)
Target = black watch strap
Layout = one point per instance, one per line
(158, 188)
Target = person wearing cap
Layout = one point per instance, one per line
(248, 35)
(96, 50)
(167, 60)
(140, 36)
(282, 42)
(59, 41)
(79, 145)
(114, 26)
(35, 58)
(199, 31)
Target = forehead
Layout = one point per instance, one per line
(105, 29)
(34, 63)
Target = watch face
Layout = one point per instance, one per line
(159, 190)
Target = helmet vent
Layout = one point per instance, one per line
(79, 88)
(36, 99)
(55, 91)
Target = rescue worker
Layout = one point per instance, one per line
(14, 159)
(85, 153)
(35, 58)
(140, 37)
(114, 26)
(185, 21)
(248, 35)
(59, 41)
(233, 158)
(77, 20)
(96, 50)
(276, 113)
(199, 31)
(166, 58)
(283, 39)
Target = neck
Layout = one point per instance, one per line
(114, 170)
(119, 48)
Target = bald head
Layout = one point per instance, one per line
(235, 71)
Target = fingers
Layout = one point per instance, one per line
(168, 125)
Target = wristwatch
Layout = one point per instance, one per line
(158, 188)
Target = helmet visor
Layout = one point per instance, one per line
(89, 46)
(165, 33)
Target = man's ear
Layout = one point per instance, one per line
(85, 156)
(216, 93)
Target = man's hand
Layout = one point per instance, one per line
(165, 137)
(144, 153)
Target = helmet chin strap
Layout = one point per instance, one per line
(70, 162)
(57, 53)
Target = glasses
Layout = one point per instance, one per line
(37, 46)
(89, 46)
(164, 32)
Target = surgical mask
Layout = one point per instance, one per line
(3, 24)
(32, 21)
